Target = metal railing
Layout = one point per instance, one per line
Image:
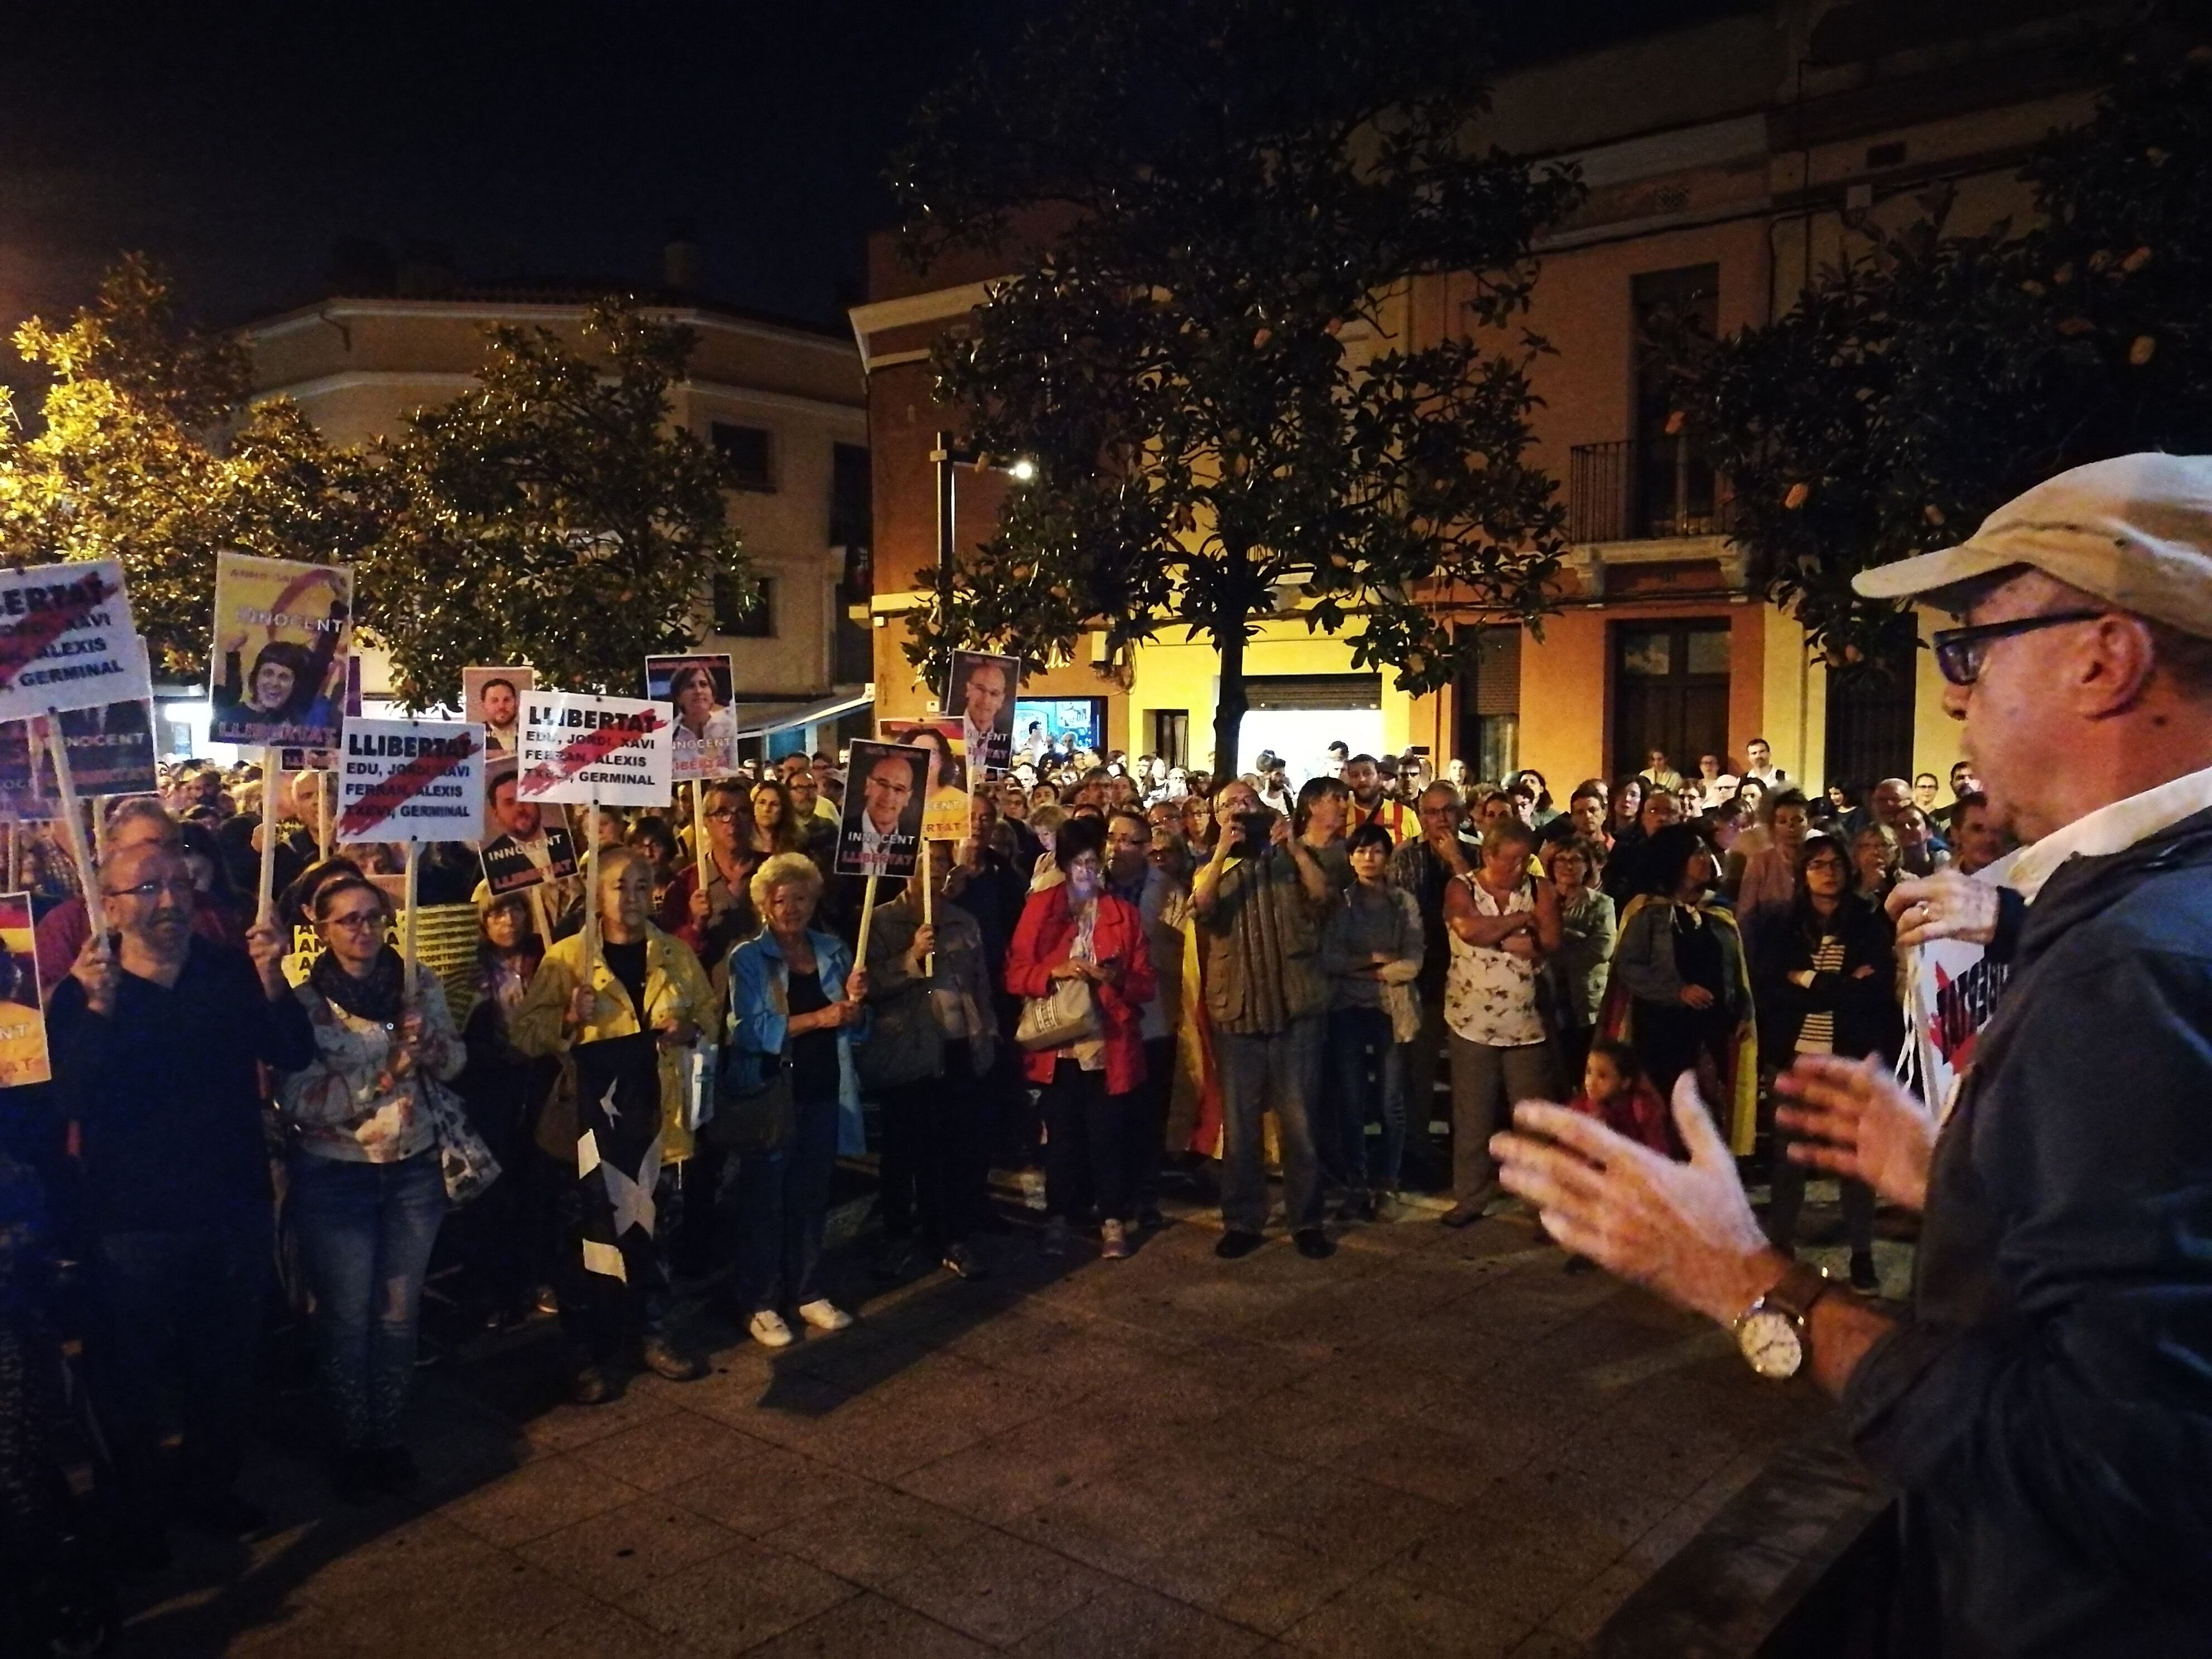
(1633, 490)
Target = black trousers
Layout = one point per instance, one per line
(1148, 1123)
(1086, 1155)
(936, 1170)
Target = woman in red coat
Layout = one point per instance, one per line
(1075, 930)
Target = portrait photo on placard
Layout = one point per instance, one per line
(879, 829)
(699, 687)
(527, 841)
(981, 693)
(944, 808)
(23, 1057)
(492, 698)
(283, 633)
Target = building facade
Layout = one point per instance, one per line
(784, 402)
(1724, 162)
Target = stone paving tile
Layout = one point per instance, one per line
(541, 1496)
(871, 1627)
(621, 1552)
(1251, 1578)
(768, 1488)
(1125, 1622)
(1387, 1618)
(1000, 1592)
(656, 1455)
(736, 1600)
(1029, 1466)
(884, 1536)
(566, 1426)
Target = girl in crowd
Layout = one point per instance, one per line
(1539, 792)
(1616, 1092)
(366, 1196)
(1503, 924)
(1831, 989)
(1575, 974)
(655, 842)
(1680, 993)
(1075, 930)
(797, 1007)
(773, 826)
(1370, 949)
(1918, 851)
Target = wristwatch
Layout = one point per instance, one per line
(1771, 1333)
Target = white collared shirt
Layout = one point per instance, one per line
(2109, 830)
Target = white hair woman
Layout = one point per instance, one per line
(796, 1007)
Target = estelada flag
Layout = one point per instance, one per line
(618, 1149)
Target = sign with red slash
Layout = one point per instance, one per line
(67, 641)
(410, 781)
(613, 750)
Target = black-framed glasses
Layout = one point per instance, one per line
(183, 886)
(1960, 650)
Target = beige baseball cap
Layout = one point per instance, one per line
(2136, 530)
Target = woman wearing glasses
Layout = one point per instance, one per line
(366, 1196)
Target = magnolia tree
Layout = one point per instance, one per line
(1224, 188)
(1932, 376)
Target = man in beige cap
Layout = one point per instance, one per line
(2044, 1408)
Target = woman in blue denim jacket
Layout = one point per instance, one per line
(795, 1001)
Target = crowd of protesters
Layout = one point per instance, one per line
(1124, 970)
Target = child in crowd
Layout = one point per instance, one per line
(1616, 1092)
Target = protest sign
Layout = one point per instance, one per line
(944, 807)
(23, 1056)
(698, 687)
(879, 831)
(22, 754)
(981, 692)
(614, 751)
(110, 752)
(66, 640)
(529, 841)
(410, 781)
(284, 634)
(1950, 994)
(307, 760)
(492, 698)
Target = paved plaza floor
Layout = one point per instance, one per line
(1435, 1442)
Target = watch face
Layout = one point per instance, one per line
(1770, 1343)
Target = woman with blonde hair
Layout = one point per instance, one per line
(797, 1006)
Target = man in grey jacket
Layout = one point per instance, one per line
(2043, 1409)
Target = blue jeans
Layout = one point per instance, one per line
(1366, 1062)
(1279, 1072)
(777, 1204)
(366, 1230)
(178, 1311)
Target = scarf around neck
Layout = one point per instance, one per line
(381, 997)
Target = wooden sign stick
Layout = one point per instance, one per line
(73, 828)
(699, 834)
(922, 874)
(591, 892)
(323, 781)
(407, 924)
(99, 827)
(867, 917)
(267, 907)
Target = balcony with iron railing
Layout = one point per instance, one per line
(1638, 490)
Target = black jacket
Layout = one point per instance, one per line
(1867, 1020)
(2046, 1413)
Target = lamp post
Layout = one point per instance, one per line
(945, 457)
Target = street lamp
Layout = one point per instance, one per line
(946, 456)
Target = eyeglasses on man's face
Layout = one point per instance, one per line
(180, 885)
(1960, 650)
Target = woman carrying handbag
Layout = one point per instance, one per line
(1077, 941)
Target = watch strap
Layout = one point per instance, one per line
(1798, 1290)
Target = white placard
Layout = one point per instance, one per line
(67, 641)
(614, 751)
(409, 781)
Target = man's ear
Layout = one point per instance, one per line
(2113, 667)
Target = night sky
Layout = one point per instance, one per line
(240, 143)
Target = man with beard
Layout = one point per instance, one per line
(1371, 804)
(156, 1051)
(500, 703)
(525, 852)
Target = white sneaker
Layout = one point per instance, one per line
(824, 1314)
(768, 1330)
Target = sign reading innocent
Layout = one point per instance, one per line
(410, 781)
